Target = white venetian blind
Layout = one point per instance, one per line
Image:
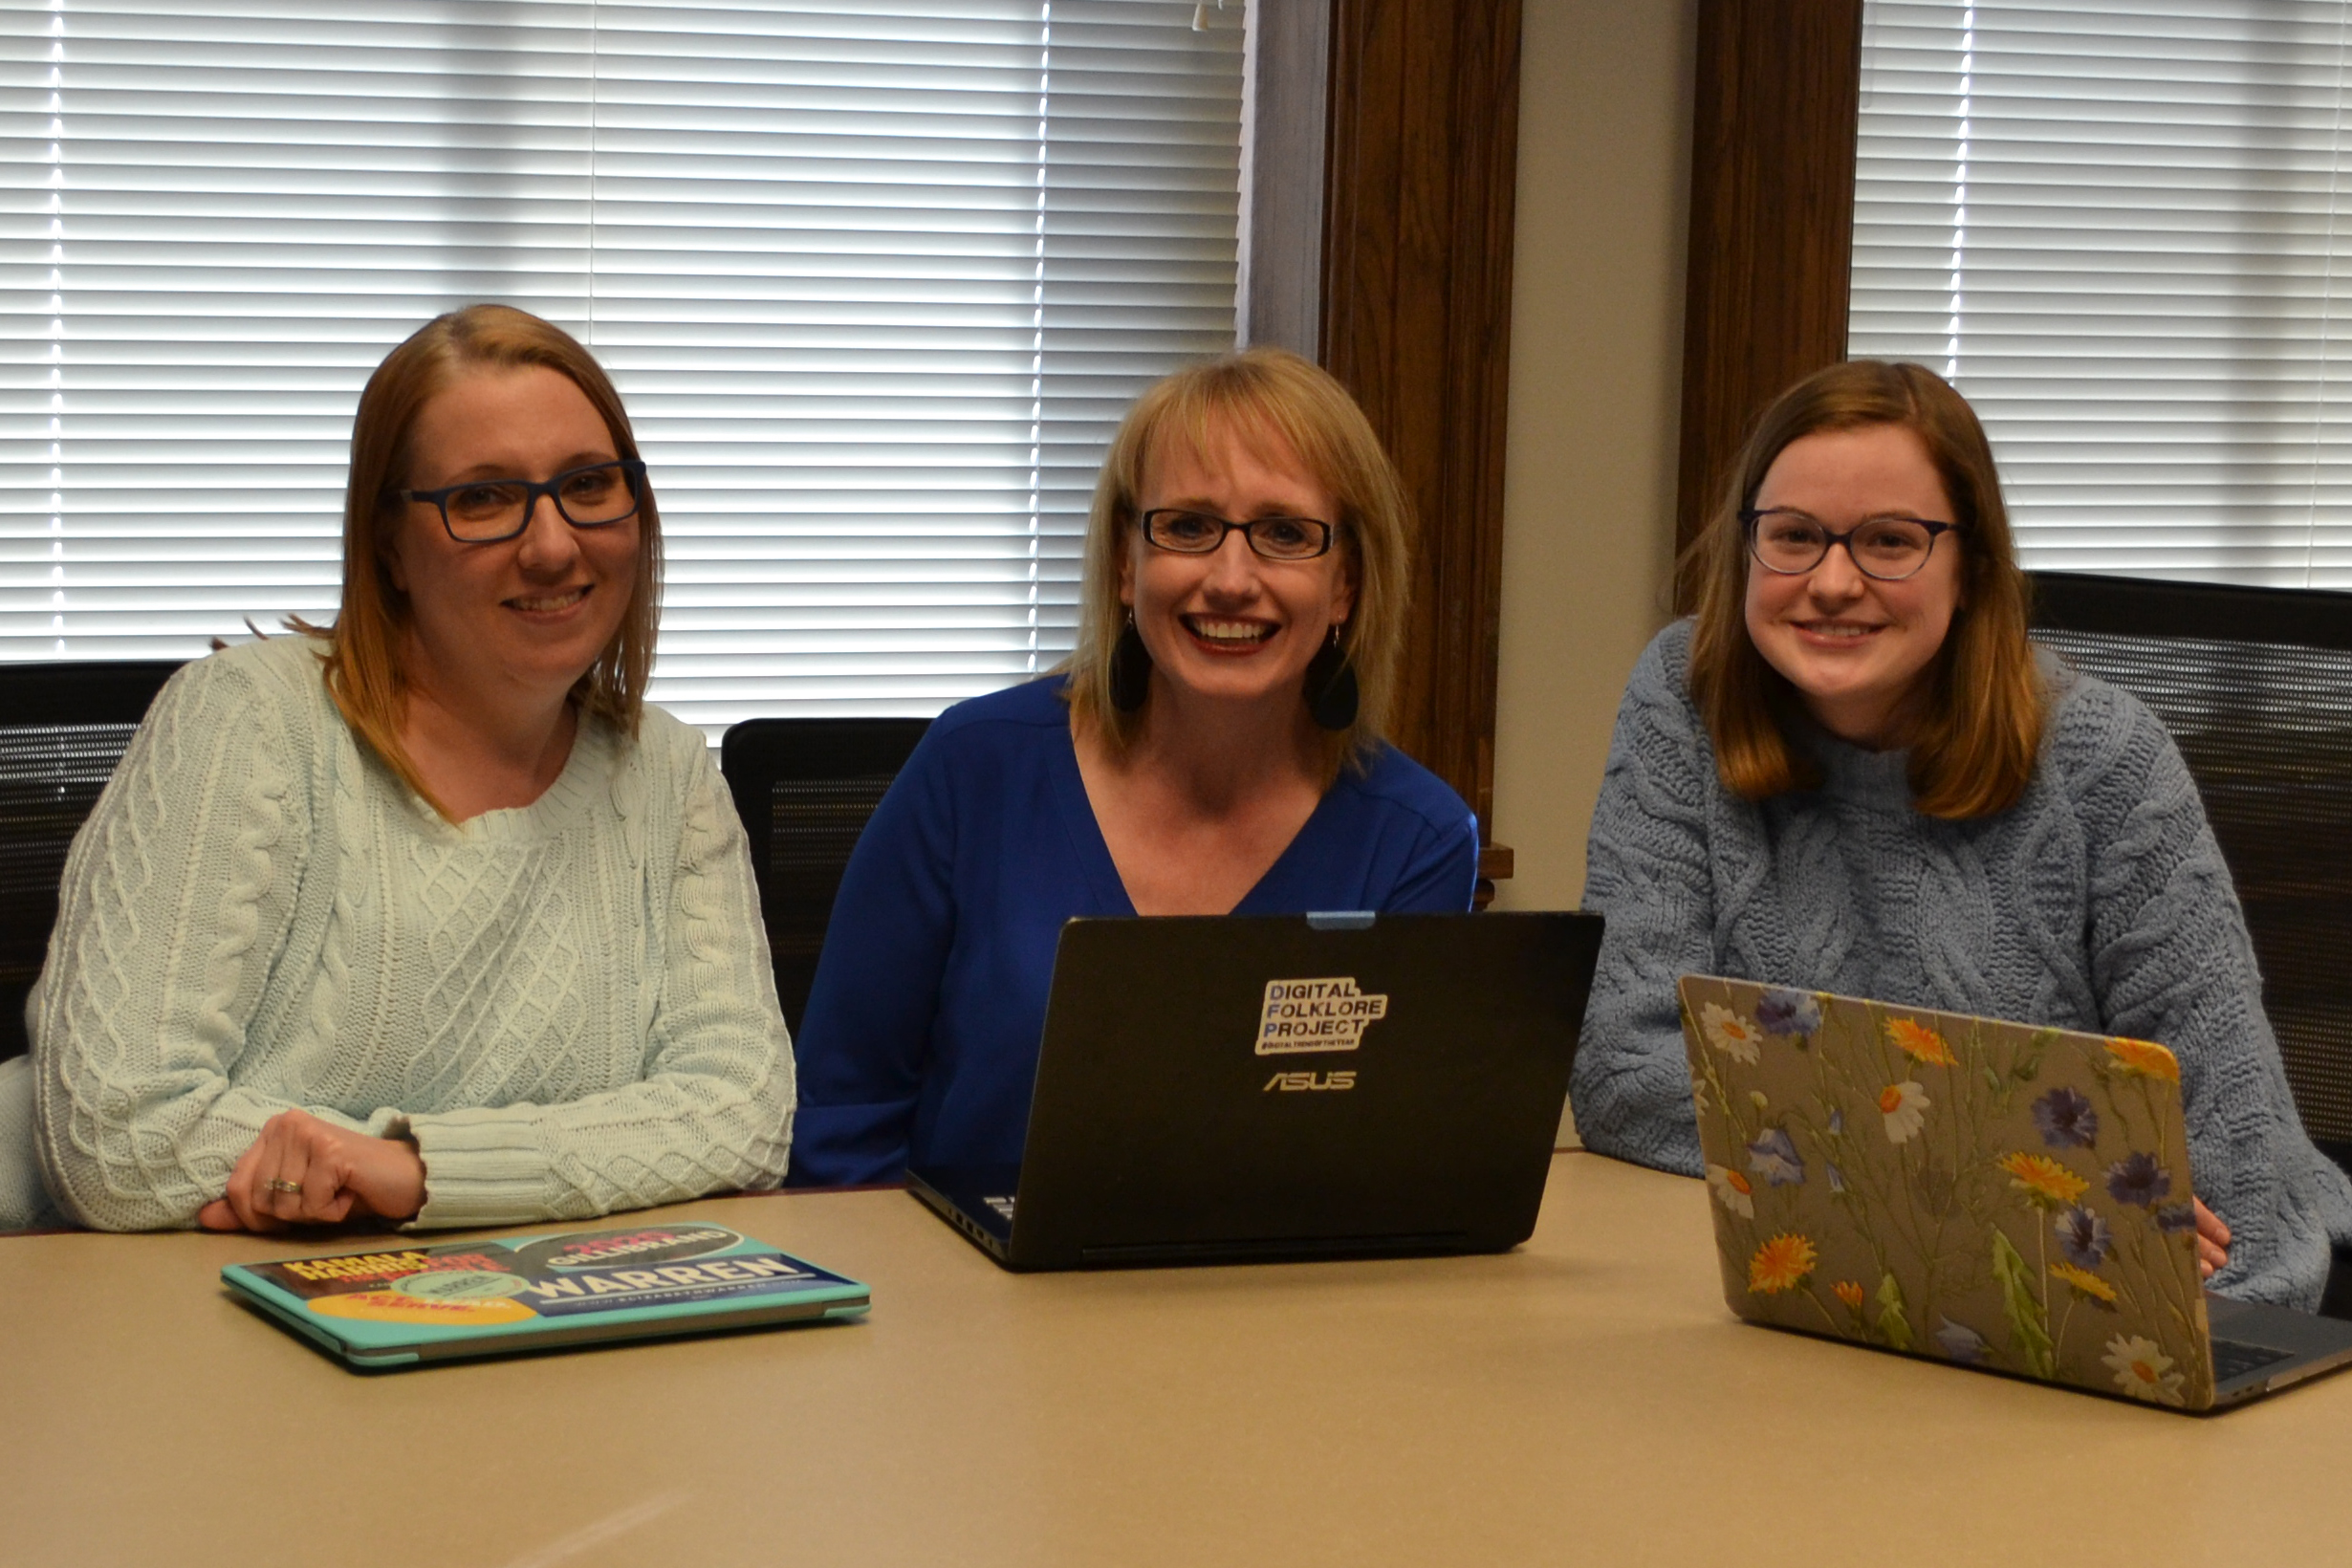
(2124, 232)
(876, 279)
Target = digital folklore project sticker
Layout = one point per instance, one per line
(1317, 1015)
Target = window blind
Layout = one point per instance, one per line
(876, 279)
(2124, 232)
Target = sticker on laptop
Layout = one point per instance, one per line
(1317, 1015)
(628, 1246)
(399, 1307)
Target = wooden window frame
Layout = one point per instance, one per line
(1420, 185)
(1776, 109)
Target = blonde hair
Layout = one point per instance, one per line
(363, 673)
(1974, 750)
(1267, 399)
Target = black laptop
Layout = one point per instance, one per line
(1220, 1090)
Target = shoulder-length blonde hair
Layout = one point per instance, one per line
(1268, 399)
(1972, 751)
(362, 655)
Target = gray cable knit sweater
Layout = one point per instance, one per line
(2099, 901)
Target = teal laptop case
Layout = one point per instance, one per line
(405, 1305)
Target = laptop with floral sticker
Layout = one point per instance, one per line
(1996, 1195)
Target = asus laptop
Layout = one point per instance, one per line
(1237, 1089)
(402, 1305)
(1990, 1194)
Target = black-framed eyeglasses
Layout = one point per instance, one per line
(487, 510)
(1189, 532)
(1889, 549)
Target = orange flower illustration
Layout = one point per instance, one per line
(1849, 1293)
(2085, 1283)
(1921, 1044)
(2145, 1058)
(2045, 1182)
(1781, 1264)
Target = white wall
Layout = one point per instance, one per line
(1596, 360)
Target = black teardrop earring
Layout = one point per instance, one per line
(1130, 669)
(1332, 697)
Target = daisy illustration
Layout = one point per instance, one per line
(1904, 1105)
(1736, 1193)
(2141, 1370)
(1735, 1036)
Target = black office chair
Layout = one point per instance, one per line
(804, 789)
(2255, 685)
(63, 726)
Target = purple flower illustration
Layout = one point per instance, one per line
(2176, 1216)
(2066, 1119)
(2083, 1237)
(1788, 1012)
(2137, 1179)
(1962, 1343)
(1837, 1176)
(1775, 1158)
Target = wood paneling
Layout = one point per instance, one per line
(1422, 160)
(1772, 219)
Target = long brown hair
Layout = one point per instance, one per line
(1265, 398)
(362, 656)
(1972, 750)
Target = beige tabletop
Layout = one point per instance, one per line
(1586, 1398)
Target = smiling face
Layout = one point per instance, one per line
(1232, 626)
(525, 616)
(1859, 651)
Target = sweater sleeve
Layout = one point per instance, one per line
(714, 1111)
(1647, 873)
(2173, 963)
(177, 899)
(866, 1041)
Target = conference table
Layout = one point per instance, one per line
(1585, 1399)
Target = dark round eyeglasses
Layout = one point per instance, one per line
(487, 510)
(1889, 549)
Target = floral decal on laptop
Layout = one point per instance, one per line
(1993, 1194)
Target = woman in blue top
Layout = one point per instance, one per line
(1214, 746)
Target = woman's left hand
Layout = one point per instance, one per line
(2213, 1242)
(305, 1171)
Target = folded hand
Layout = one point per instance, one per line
(305, 1171)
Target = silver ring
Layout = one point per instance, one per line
(280, 1184)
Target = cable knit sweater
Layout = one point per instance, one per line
(2099, 901)
(568, 1005)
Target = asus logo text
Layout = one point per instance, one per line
(1288, 1081)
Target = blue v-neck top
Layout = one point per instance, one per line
(921, 1039)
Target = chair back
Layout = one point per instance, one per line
(2255, 686)
(63, 726)
(804, 789)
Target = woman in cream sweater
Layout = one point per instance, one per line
(427, 916)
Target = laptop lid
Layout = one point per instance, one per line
(1217, 1089)
(402, 1303)
(1993, 1194)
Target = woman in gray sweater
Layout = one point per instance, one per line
(1850, 772)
